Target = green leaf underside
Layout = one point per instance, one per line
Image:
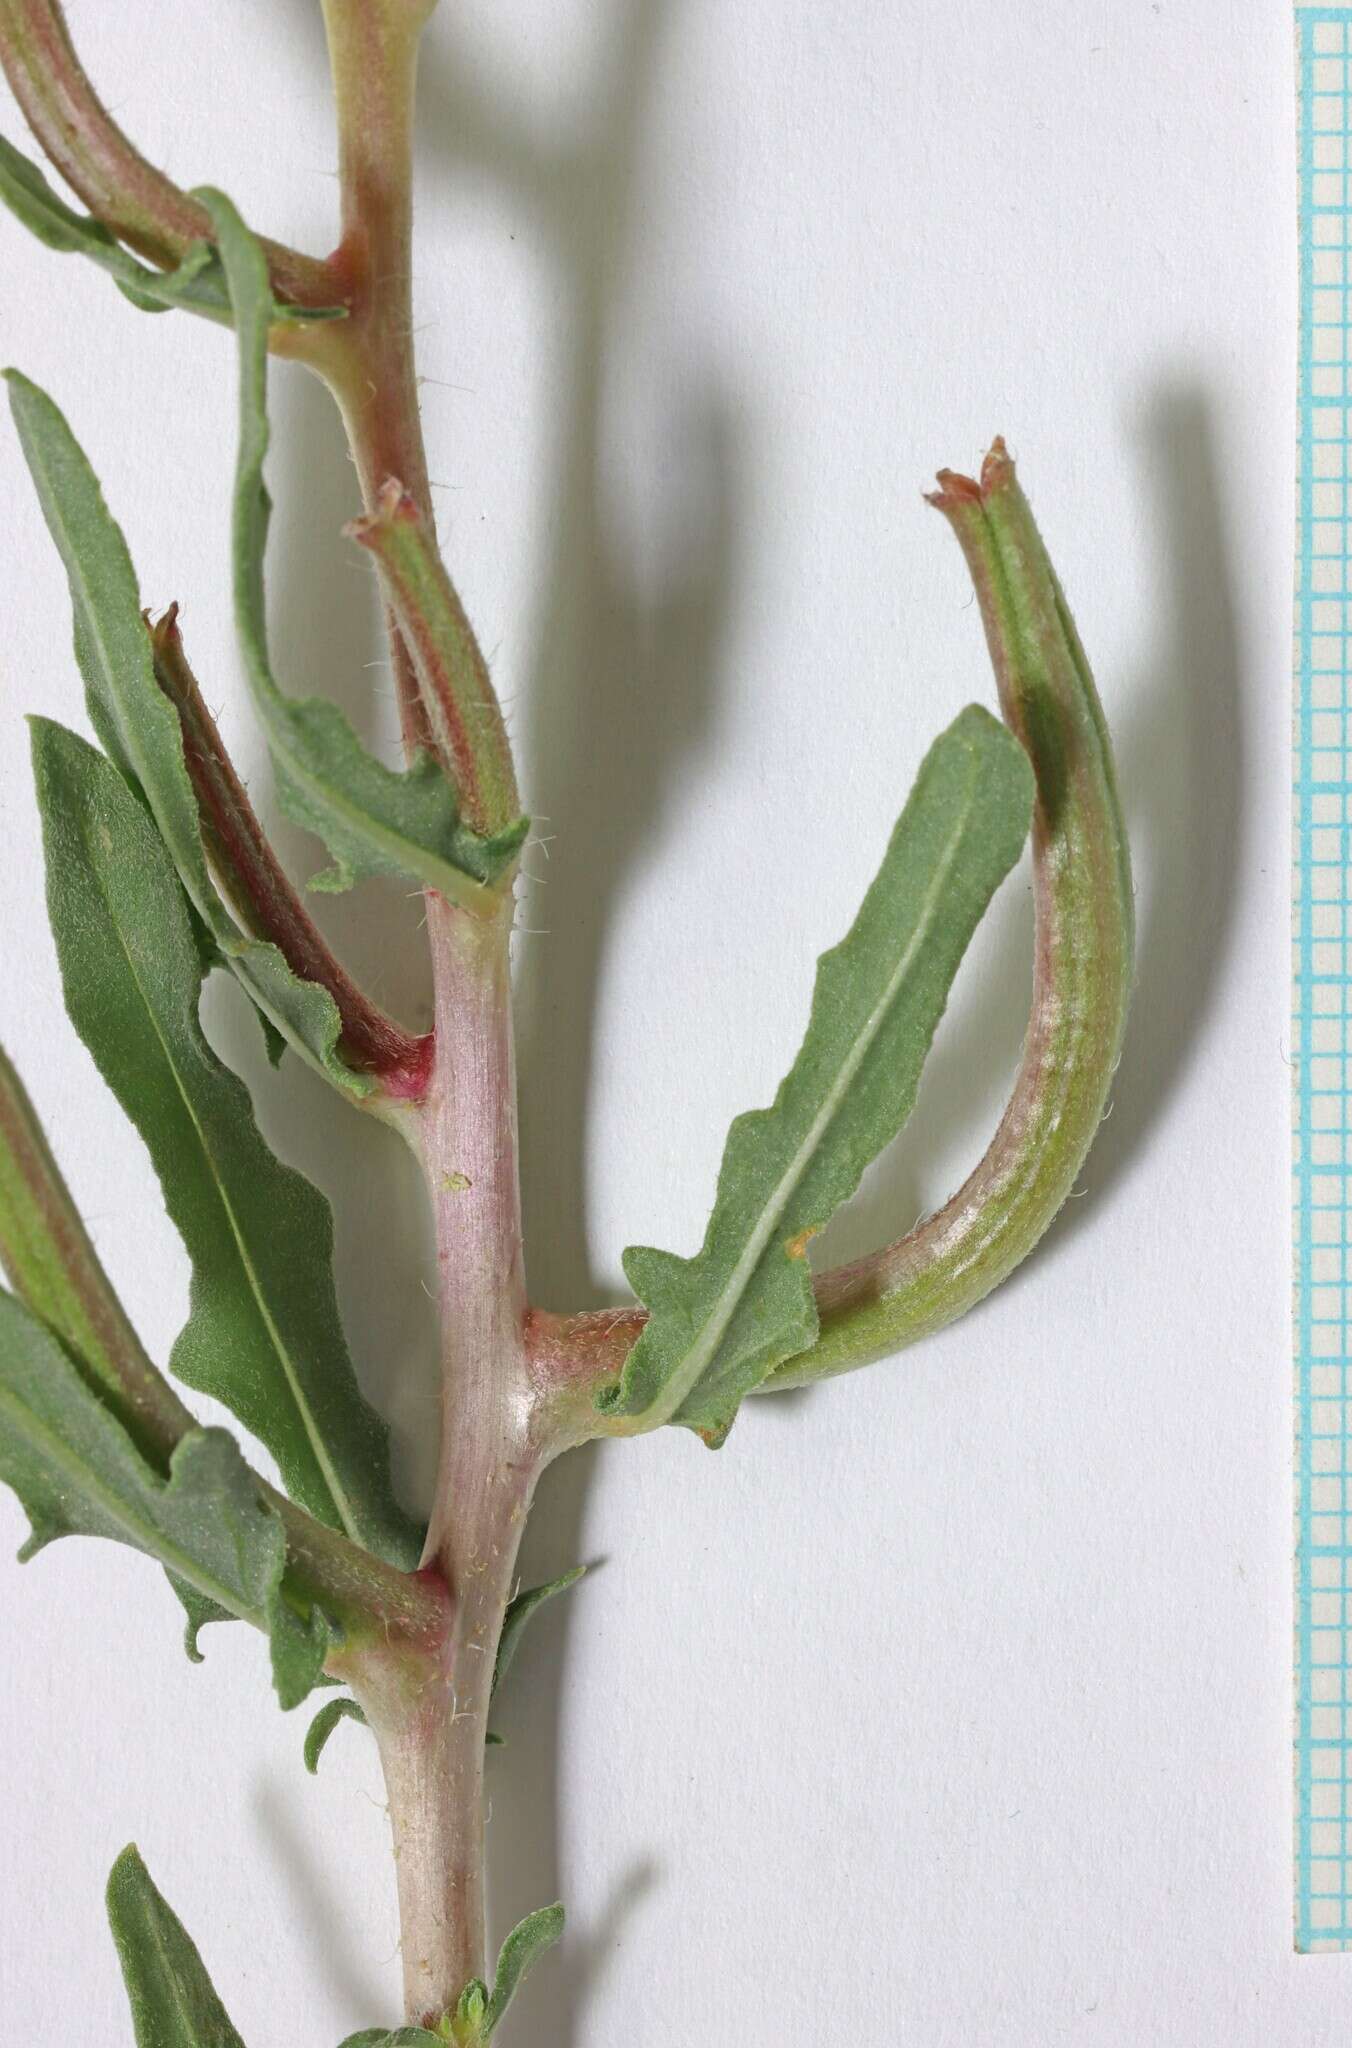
(522, 1949)
(519, 1613)
(373, 819)
(197, 284)
(721, 1321)
(323, 1725)
(77, 1472)
(173, 2003)
(139, 727)
(263, 1332)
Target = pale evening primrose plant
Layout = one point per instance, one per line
(159, 874)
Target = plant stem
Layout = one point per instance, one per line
(469, 1144)
(431, 1720)
(373, 52)
(432, 1735)
(489, 1457)
(432, 1753)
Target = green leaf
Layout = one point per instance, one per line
(323, 1725)
(374, 820)
(520, 1952)
(477, 2012)
(173, 2004)
(299, 1650)
(470, 2019)
(76, 1471)
(402, 2037)
(520, 1611)
(274, 1045)
(721, 1321)
(197, 284)
(139, 727)
(263, 1333)
(56, 1274)
(199, 1613)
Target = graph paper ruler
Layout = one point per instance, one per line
(1322, 1028)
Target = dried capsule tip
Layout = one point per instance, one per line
(997, 470)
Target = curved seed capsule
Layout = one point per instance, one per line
(1081, 982)
(1083, 965)
(133, 200)
(261, 894)
(47, 1256)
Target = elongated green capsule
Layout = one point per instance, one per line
(1081, 983)
(1082, 970)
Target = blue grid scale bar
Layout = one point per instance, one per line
(1322, 1025)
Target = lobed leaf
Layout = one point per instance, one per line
(197, 283)
(56, 1274)
(76, 1471)
(139, 727)
(173, 2003)
(263, 1332)
(720, 1322)
(374, 820)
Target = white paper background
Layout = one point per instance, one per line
(948, 1705)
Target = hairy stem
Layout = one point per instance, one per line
(431, 1742)
(469, 1144)
(432, 1735)
(373, 52)
(431, 1730)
